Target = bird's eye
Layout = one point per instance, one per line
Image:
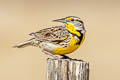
(72, 19)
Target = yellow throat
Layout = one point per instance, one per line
(73, 44)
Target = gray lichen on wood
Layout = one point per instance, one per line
(67, 69)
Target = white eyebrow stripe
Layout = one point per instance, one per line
(78, 28)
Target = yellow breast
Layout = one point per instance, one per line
(71, 47)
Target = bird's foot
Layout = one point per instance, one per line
(65, 57)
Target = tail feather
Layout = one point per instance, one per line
(23, 44)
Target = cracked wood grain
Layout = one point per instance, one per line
(67, 69)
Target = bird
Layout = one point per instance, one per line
(58, 40)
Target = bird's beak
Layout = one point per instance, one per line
(60, 20)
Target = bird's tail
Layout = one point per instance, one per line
(23, 44)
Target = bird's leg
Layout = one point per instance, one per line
(48, 53)
(65, 57)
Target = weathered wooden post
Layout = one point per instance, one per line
(67, 69)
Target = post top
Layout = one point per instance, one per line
(68, 60)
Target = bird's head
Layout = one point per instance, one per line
(72, 20)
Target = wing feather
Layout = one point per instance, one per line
(53, 34)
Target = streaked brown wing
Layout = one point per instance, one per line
(55, 34)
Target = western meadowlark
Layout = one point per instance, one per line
(58, 40)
